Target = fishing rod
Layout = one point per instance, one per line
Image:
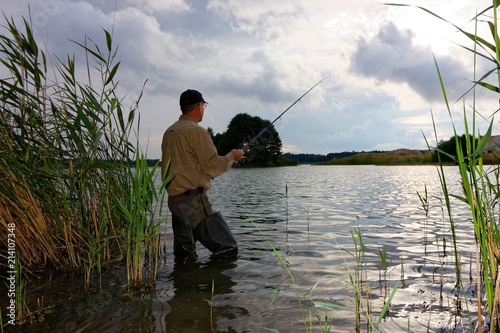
(252, 141)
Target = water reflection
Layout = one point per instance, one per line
(195, 306)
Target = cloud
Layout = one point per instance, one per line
(154, 6)
(391, 56)
(259, 56)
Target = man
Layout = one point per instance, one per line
(194, 161)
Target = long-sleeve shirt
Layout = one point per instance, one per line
(194, 160)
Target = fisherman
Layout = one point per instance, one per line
(194, 161)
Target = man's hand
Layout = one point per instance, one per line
(237, 154)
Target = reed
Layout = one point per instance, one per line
(63, 149)
(211, 303)
(94, 259)
(22, 314)
(480, 186)
(357, 278)
(424, 200)
(141, 231)
(383, 265)
(65, 168)
(361, 286)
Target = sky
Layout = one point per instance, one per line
(381, 90)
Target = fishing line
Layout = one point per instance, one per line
(252, 141)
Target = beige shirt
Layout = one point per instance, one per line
(194, 160)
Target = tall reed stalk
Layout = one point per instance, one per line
(356, 278)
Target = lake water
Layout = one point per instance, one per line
(308, 214)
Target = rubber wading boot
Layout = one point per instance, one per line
(214, 233)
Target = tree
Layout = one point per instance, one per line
(265, 151)
(449, 147)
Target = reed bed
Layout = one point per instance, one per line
(66, 178)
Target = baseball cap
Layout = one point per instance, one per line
(190, 97)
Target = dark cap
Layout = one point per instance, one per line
(190, 97)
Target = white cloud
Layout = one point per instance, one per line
(153, 6)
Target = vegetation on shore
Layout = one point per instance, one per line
(69, 196)
(397, 157)
(444, 152)
(403, 157)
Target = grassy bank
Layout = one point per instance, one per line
(401, 157)
(397, 157)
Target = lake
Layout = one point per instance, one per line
(308, 214)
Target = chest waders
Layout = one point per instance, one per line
(211, 231)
